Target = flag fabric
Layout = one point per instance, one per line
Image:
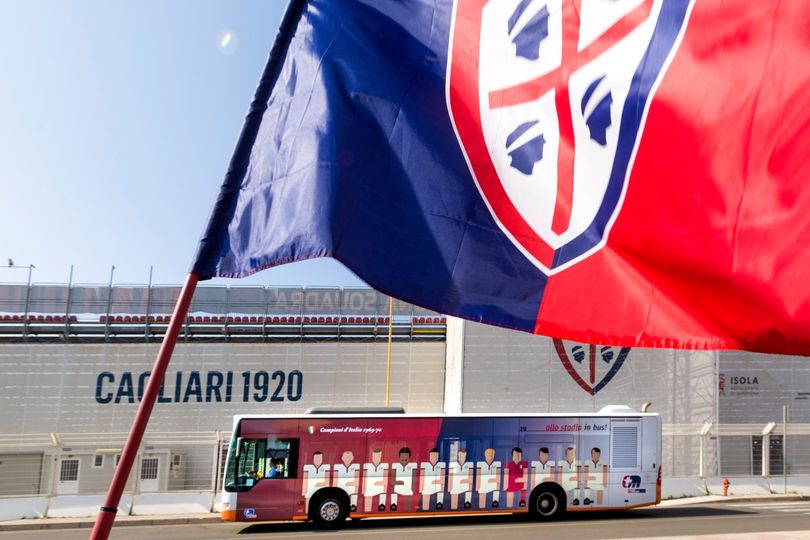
(620, 172)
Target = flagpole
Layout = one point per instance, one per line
(106, 515)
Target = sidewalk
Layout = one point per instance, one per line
(185, 519)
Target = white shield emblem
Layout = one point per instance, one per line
(549, 99)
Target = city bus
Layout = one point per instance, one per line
(331, 465)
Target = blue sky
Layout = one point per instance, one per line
(117, 121)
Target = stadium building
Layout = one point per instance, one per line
(74, 360)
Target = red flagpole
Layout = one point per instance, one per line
(106, 515)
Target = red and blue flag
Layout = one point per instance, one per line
(621, 172)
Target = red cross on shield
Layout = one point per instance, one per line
(498, 99)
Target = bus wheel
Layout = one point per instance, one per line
(547, 502)
(330, 511)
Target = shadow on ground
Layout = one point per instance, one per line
(445, 521)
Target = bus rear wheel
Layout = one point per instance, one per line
(329, 511)
(547, 502)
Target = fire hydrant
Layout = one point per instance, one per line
(726, 483)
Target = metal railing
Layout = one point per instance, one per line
(124, 313)
(767, 450)
(55, 464)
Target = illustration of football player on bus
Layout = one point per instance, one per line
(431, 481)
(488, 479)
(375, 481)
(543, 469)
(516, 476)
(569, 475)
(596, 478)
(459, 481)
(403, 480)
(347, 477)
(316, 476)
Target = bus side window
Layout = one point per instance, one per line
(281, 458)
(247, 469)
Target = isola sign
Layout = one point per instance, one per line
(203, 387)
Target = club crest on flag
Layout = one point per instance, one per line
(548, 100)
(591, 366)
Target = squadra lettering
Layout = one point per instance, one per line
(203, 387)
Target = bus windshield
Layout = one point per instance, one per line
(252, 460)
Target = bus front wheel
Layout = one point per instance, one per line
(329, 511)
(547, 502)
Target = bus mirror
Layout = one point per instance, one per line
(240, 442)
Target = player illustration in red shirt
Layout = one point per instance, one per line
(516, 478)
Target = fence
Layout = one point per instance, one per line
(54, 464)
(736, 450)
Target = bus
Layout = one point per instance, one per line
(331, 465)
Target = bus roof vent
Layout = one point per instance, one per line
(617, 409)
(356, 410)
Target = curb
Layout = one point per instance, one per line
(57, 523)
(201, 519)
(766, 498)
(712, 499)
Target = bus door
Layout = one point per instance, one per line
(544, 454)
(266, 475)
(467, 448)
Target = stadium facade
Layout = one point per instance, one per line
(74, 361)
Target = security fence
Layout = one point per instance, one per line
(55, 464)
(736, 450)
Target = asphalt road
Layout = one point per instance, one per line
(713, 519)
